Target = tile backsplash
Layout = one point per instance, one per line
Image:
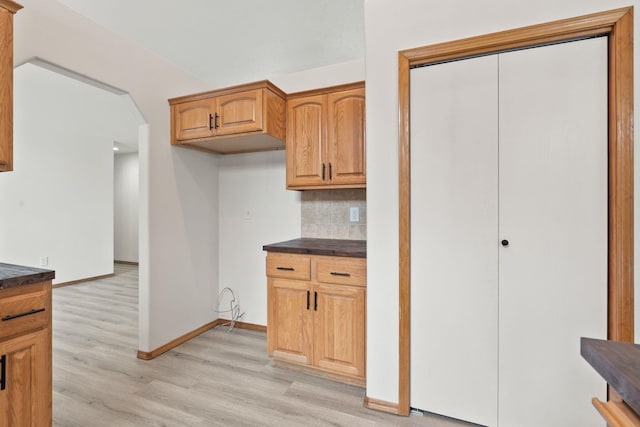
(325, 214)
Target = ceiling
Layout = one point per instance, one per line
(227, 42)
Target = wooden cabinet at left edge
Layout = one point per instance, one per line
(7, 10)
(238, 119)
(25, 356)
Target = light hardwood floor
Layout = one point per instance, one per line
(216, 379)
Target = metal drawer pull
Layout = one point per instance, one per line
(26, 313)
(3, 372)
(337, 273)
(285, 268)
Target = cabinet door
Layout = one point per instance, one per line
(306, 133)
(290, 320)
(194, 119)
(339, 329)
(26, 398)
(346, 137)
(239, 112)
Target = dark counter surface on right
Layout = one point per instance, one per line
(619, 364)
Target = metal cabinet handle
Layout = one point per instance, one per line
(323, 170)
(285, 268)
(3, 372)
(330, 172)
(315, 301)
(210, 121)
(26, 313)
(216, 124)
(505, 243)
(308, 298)
(337, 273)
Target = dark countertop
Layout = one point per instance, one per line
(331, 247)
(619, 364)
(17, 275)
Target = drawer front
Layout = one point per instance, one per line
(288, 266)
(342, 271)
(24, 312)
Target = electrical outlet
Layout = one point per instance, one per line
(354, 214)
(44, 261)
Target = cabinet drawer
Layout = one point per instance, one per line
(343, 271)
(288, 266)
(24, 312)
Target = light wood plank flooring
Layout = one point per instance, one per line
(216, 379)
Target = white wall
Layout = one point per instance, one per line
(391, 26)
(255, 209)
(256, 182)
(178, 220)
(125, 207)
(315, 78)
(58, 203)
(178, 187)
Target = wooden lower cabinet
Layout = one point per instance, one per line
(25, 356)
(316, 323)
(26, 377)
(338, 326)
(290, 323)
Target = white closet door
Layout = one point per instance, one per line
(553, 212)
(454, 264)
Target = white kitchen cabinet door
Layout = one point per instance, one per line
(553, 212)
(509, 147)
(454, 251)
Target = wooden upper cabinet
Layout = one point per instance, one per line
(346, 136)
(326, 138)
(238, 119)
(306, 133)
(239, 113)
(194, 120)
(7, 10)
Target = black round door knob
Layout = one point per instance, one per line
(505, 243)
